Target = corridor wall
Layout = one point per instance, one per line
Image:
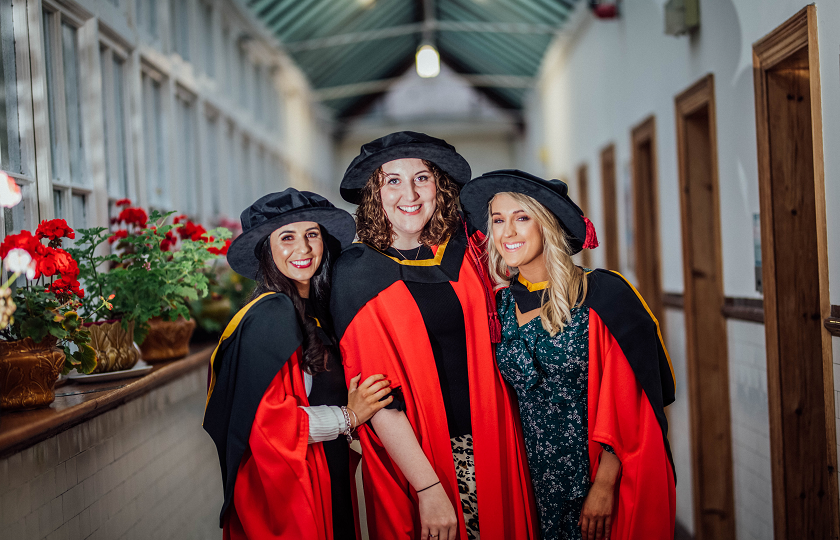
(599, 80)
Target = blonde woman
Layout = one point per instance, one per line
(587, 361)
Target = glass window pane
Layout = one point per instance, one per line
(211, 153)
(9, 135)
(247, 174)
(80, 218)
(187, 161)
(207, 35)
(233, 172)
(154, 143)
(242, 62)
(56, 153)
(180, 28)
(78, 172)
(58, 204)
(119, 126)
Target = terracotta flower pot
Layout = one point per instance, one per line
(28, 372)
(114, 346)
(167, 340)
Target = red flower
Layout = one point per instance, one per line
(179, 219)
(120, 234)
(66, 287)
(168, 241)
(133, 216)
(192, 231)
(220, 251)
(54, 229)
(66, 265)
(123, 202)
(23, 240)
(46, 264)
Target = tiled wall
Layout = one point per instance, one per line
(750, 431)
(679, 425)
(145, 470)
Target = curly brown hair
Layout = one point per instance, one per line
(374, 228)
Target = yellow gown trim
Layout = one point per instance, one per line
(435, 261)
(539, 286)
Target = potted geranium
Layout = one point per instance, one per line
(45, 336)
(152, 276)
(185, 277)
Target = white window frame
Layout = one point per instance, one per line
(27, 211)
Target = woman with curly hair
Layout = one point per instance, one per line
(411, 300)
(587, 361)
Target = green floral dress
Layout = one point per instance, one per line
(550, 377)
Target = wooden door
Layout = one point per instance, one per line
(795, 274)
(705, 326)
(582, 200)
(646, 216)
(609, 233)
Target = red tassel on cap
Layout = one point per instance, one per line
(591, 241)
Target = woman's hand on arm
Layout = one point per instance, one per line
(596, 517)
(438, 520)
(366, 399)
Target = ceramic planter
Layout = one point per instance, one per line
(28, 372)
(114, 346)
(167, 340)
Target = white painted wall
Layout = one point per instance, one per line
(601, 79)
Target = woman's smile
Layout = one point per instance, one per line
(303, 263)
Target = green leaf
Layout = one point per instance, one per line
(35, 328)
(86, 357)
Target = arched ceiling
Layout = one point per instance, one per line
(352, 50)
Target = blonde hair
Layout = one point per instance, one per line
(567, 282)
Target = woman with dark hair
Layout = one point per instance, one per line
(587, 360)
(278, 408)
(411, 300)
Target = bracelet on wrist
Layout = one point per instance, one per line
(427, 487)
(347, 425)
(355, 425)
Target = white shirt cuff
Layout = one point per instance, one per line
(326, 422)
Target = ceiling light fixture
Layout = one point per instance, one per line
(427, 61)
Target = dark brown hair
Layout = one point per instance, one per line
(374, 228)
(271, 279)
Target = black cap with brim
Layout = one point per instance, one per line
(274, 210)
(553, 194)
(403, 144)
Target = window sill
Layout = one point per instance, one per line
(20, 430)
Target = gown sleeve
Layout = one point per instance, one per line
(622, 418)
(276, 484)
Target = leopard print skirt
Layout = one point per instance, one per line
(462, 455)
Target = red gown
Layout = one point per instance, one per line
(277, 486)
(381, 330)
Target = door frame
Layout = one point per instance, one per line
(609, 195)
(645, 132)
(797, 33)
(710, 423)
